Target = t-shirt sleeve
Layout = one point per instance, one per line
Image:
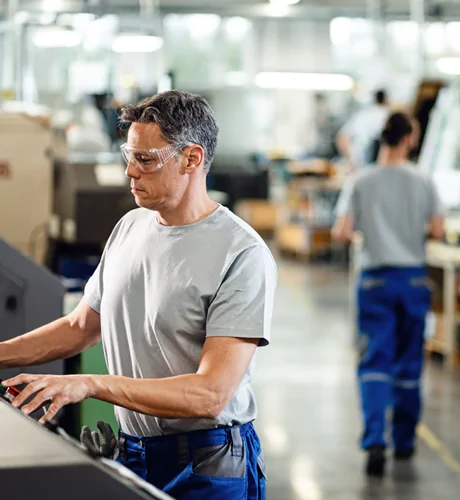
(435, 208)
(95, 286)
(346, 204)
(243, 305)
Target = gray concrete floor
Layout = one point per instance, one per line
(309, 421)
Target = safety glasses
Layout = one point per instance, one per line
(148, 160)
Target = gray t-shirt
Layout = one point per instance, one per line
(162, 290)
(391, 206)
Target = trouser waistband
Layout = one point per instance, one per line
(187, 441)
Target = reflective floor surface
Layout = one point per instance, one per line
(309, 421)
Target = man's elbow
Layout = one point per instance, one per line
(212, 403)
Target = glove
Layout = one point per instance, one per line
(91, 441)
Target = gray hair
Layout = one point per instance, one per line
(183, 118)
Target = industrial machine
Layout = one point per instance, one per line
(25, 182)
(30, 296)
(36, 462)
(91, 194)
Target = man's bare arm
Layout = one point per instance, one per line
(203, 394)
(60, 339)
(436, 227)
(343, 229)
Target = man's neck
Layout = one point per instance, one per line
(392, 157)
(188, 211)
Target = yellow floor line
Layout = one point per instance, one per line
(439, 447)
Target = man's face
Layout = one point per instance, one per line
(162, 188)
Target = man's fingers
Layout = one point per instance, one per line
(52, 411)
(25, 394)
(39, 400)
(23, 378)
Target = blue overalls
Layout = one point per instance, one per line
(392, 306)
(216, 464)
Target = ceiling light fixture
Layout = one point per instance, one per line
(304, 81)
(277, 10)
(284, 2)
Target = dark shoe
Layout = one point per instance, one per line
(404, 454)
(375, 461)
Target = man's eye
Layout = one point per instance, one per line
(144, 159)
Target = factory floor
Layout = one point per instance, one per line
(309, 421)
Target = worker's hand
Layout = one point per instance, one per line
(55, 390)
(92, 442)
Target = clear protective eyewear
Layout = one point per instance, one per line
(148, 160)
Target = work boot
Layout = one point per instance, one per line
(375, 461)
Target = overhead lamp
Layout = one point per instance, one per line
(284, 2)
(277, 10)
(304, 81)
(137, 43)
(56, 37)
(449, 65)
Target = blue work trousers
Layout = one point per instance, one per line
(216, 464)
(392, 307)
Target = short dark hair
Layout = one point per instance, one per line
(398, 126)
(183, 118)
(381, 97)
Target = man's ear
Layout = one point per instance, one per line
(195, 159)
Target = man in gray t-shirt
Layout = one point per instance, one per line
(182, 298)
(390, 206)
(395, 208)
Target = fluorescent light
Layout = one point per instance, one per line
(56, 37)
(449, 65)
(277, 10)
(137, 43)
(284, 2)
(304, 81)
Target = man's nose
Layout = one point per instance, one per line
(131, 171)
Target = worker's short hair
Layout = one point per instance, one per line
(183, 118)
(381, 97)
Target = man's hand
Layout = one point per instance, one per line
(56, 390)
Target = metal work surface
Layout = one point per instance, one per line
(34, 462)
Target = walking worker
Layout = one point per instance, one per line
(395, 208)
(182, 298)
(358, 140)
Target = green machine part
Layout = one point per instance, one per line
(92, 361)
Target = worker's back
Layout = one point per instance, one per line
(392, 206)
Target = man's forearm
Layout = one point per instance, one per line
(57, 340)
(183, 396)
